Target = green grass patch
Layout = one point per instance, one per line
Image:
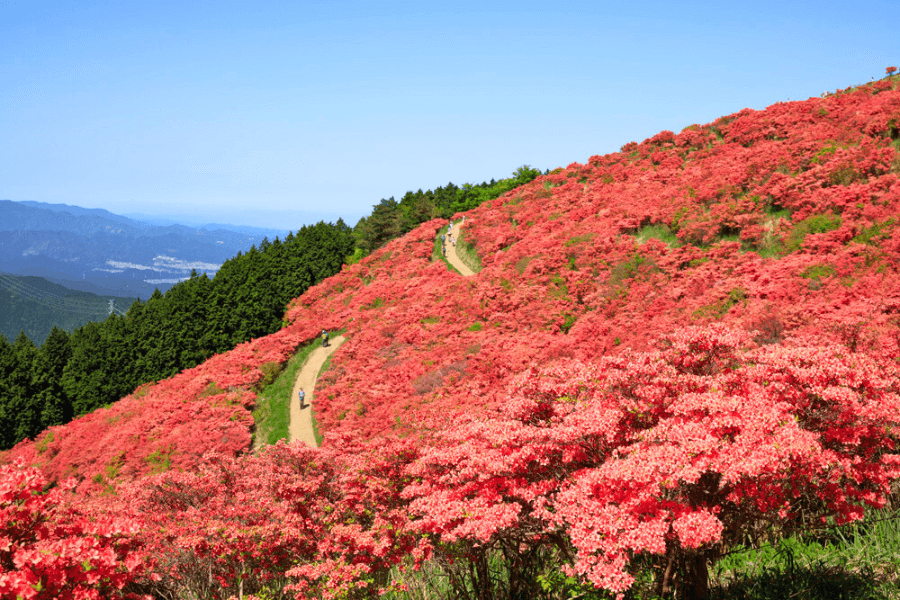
(468, 254)
(523, 263)
(776, 213)
(631, 268)
(580, 239)
(857, 561)
(272, 414)
(875, 233)
(376, 303)
(821, 223)
(159, 460)
(558, 288)
(659, 231)
(45, 442)
(817, 272)
(719, 309)
(358, 255)
(824, 154)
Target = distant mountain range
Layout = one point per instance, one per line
(197, 223)
(96, 251)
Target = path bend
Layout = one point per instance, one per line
(301, 427)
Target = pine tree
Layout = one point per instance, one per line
(51, 360)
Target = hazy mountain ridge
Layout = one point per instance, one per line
(98, 251)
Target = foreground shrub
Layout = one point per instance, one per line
(665, 458)
(293, 520)
(50, 550)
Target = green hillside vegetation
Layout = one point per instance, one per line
(35, 306)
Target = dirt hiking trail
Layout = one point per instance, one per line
(453, 257)
(301, 418)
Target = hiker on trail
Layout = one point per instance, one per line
(302, 396)
(324, 338)
(453, 241)
(450, 228)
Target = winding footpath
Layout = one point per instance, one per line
(301, 417)
(453, 257)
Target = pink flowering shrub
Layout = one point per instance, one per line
(317, 522)
(52, 550)
(166, 425)
(789, 211)
(674, 455)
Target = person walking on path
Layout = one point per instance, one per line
(301, 423)
(302, 396)
(324, 338)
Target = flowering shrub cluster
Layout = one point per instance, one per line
(782, 220)
(591, 437)
(678, 453)
(290, 520)
(50, 549)
(664, 459)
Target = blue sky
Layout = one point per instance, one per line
(276, 114)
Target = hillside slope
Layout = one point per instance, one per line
(35, 306)
(781, 222)
(667, 353)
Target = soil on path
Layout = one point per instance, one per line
(301, 417)
(453, 257)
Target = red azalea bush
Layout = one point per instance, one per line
(664, 459)
(50, 549)
(660, 460)
(292, 519)
(169, 424)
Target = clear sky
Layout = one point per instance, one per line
(279, 113)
